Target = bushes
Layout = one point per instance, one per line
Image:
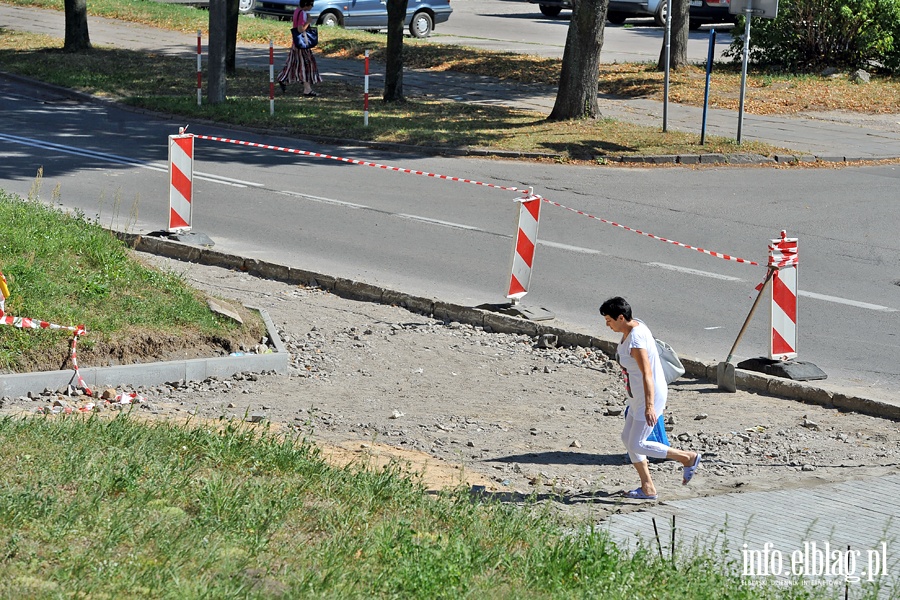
(809, 35)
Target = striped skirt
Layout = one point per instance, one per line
(300, 67)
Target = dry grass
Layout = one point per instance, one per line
(168, 84)
(767, 93)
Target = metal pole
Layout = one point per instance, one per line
(667, 63)
(271, 77)
(366, 94)
(199, 66)
(709, 64)
(748, 13)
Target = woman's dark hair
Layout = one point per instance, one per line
(614, 307)
(305, 3)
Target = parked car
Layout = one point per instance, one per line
(551, 8)
(421, 15)
(701, 12)
(245, 7)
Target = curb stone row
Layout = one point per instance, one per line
(496, 322)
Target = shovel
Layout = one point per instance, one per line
(725, 370)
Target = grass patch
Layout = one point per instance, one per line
(768, 92)
(116, 508)
(67, 270)
(168, 85)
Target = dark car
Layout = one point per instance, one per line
(421, 15)
(701, 11)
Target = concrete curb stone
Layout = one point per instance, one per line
(501, 323)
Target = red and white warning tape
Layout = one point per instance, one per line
(462, 180)
(783, 252)
(354, 161)
(656, 237)
(26, 323)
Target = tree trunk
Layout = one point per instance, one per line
(393, 75)
(218, 25)
(77, 38)
(681, 24)
(231, 42)
(577, 94)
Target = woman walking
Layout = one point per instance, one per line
(645, 385)
(301, 64)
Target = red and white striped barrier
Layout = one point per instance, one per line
(784, 258)
(526, 241)
(366, 94)
(4, 293)
(271, 77)
(199, 66)
(181, 184)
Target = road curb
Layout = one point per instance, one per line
(734, 159)
(500, 323)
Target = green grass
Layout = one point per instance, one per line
(67, 270)
(97, 508)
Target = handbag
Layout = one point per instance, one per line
(671, 364)
(305, 39)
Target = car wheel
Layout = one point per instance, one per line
(550, 11)
(421, 25)
(616, 18)
(245, 7)
(330, 19)
(694, 25)
(660, 17)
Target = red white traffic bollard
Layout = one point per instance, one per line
(181, 181)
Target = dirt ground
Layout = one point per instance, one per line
(463, 406)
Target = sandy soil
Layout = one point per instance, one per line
(462, 406)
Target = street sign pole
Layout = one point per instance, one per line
(668, 54)
(766, 9)
(748, 13)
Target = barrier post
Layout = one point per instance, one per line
(271, 77)
(523, 250)
(199, 66)
(783, 335)
(4, 293)
(181, 181)
(366, 94)
(783, 257)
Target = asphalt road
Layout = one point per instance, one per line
(518, 26)
(453, 241)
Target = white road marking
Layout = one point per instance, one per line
(694, 272)
(241, 183)
(327, 200)
(122, 160)
(439, 222)
(578, 249)
(855, 303)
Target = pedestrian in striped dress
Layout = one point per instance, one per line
(301, 64)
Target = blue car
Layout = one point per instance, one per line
(371, 15)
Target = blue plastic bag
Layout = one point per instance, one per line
(659, 431)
